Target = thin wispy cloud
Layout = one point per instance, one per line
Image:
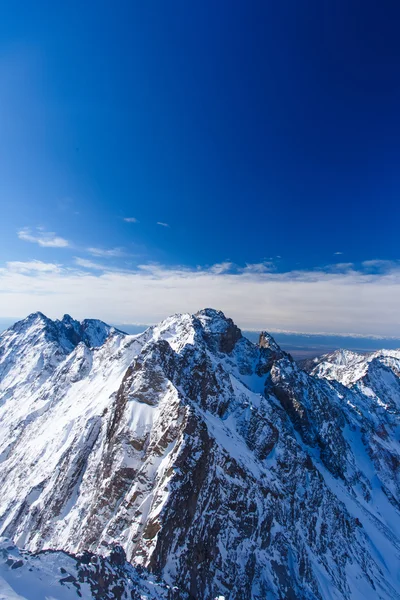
(89, 264)
(379, 264)
(95, 266)
(130, 220)
(40, 236)
(352, 301)
(338, 253)
(339, 267)
(219, 268)
(106, 253)
(162, 224)
(262, 267)
(32, 266)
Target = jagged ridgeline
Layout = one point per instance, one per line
(220, 466)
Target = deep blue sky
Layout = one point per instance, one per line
(254, 129)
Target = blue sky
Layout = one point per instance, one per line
(158, 157)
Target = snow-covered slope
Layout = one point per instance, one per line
(32, 348)
(375, 374)
(55, 575)
(216, 463)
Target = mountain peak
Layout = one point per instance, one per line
(267, 341)
(95, 332)
(67, 319)
(343, 356)
(35, 316)
(35, 321)
(219, 330)
(212, 316)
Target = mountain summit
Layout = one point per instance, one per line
(215, 463)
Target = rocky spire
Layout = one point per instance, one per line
(267, 341)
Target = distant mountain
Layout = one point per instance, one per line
(218, 464)
(310, 345)
(375, 375)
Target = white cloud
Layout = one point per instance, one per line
(379, 264)
(95, 266)
(219, 268)
(338, 253)
(47, 239)
(110, 253)
(162, 224)
(89, 264)
(259, 267)
(130, 220)
(339, 267)
(34, 266)
(308, 301)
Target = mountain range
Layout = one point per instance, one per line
(188, 462)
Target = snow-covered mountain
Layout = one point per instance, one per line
(31, 349)
(217, 464)
(375, 374)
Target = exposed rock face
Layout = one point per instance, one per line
(267, 341)
(217, 464)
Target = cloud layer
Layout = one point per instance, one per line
(349, 301)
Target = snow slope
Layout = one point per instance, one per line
(55, 575)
